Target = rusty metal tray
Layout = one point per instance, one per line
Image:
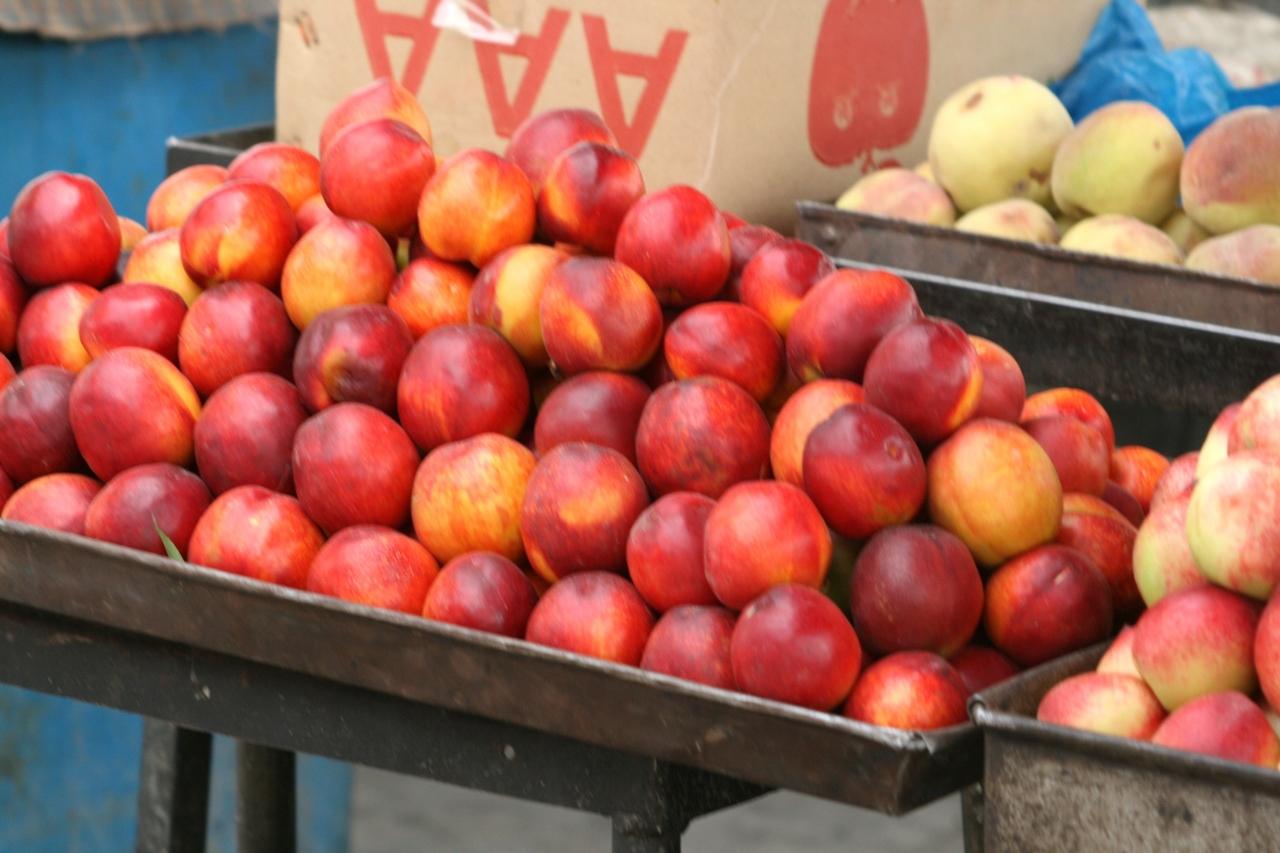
(1049, 270)
(61, 577)
(218, 148)
(1052, 788)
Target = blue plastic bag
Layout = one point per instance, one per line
(1123, 60)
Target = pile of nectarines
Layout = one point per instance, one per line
(525, 394)
(1205, 561)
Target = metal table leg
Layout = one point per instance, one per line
(972, 806)
(173, 789)
(265, 788)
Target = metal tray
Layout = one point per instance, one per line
(218, 148)
(1151, 288)
(432, 664)
(1052, 788)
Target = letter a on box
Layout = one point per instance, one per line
(656, 70)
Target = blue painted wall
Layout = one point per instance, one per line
(104, 108)
(69, 782)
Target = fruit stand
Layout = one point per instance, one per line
(210, 652)
(488, 462)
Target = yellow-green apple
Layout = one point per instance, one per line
(1195, 642)
(1233, 523)
(1177, 480)
(1104, 703)
(1162, 560)
(1227, 180)
(1258, 421)
(1266, 652)
(1217, 442)
(1118, 658)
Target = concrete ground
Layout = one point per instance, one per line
(395, 814)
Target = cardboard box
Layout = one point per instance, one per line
(756, 102)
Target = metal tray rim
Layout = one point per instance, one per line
(825, 209)
(990, 713)
(910, 741)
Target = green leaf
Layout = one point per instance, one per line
(169, 547)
